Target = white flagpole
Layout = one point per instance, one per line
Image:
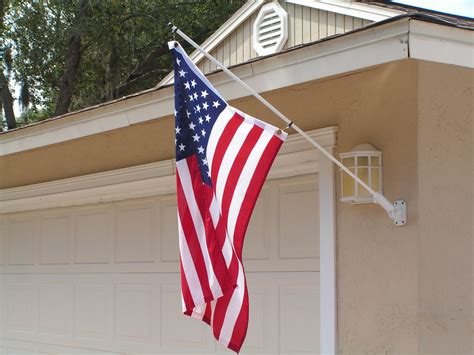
(395, 212)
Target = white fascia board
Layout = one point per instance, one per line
(346, 53)
(441, 44)
(222, 33)
(363, 11)
(296, 157)
(89, 122)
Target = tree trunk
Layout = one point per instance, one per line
(7, 100)
(73, 57)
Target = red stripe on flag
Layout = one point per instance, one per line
(241, 325)
(223, 143)
(253, 191)
(192, 240)
(223, 302)
(207, 314)
(236, 170)
(187, 297)
(203, 194)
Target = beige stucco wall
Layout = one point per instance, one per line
(445, 153)
(400, 289)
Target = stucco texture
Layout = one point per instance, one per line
(445, 143)
(400, 289)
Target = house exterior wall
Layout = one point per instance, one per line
(305, 25)
(445, 223)
(400, 289)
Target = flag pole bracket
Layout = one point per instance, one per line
(396, 211)
(399, 214)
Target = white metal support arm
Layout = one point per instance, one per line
(396, 211)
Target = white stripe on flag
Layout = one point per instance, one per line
(229, 158)
(244, 181)
(221, 122)
(198, 311)
(227, 249)
(189, 269)
(233, 310)
(186, 183)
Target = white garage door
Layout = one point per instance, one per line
(103, 277)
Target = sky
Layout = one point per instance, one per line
(457, 7)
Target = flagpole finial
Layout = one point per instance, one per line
(173, 27)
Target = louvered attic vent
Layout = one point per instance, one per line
(270, 29)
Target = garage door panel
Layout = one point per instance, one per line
(93, 310)
(135, 233)
(258, 238)
(93, 230)
(55, 238)
(21, 309)
(21, 241)
(299, 317)
(137, 313)
(299, 225)
(264, 313)
(56, 308)
(168, 229)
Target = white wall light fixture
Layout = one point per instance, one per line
(270, 29)
(365, 162)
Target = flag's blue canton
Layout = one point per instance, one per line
(196, 110)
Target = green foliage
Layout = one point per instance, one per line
(123, 45)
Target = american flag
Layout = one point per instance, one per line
(222, 159)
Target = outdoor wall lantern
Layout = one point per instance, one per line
(366, 163)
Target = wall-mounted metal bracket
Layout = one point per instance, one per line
(399, 213)
(396, 211)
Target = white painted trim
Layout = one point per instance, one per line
(222, 33)
(453, 45)
(327, 256)
(296, 157)
(363, 11)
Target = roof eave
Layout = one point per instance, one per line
(393, 39)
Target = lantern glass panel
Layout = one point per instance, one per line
(362, 161)
(348, 184)
(363, 174)
(375, 177)
(374, 161)
(349, 162)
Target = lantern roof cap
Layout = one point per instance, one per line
(364, 147)
(361, 149)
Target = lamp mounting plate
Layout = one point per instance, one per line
(399, 214)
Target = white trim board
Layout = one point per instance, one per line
(349, 8)
(297, 157)
(375, 45)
